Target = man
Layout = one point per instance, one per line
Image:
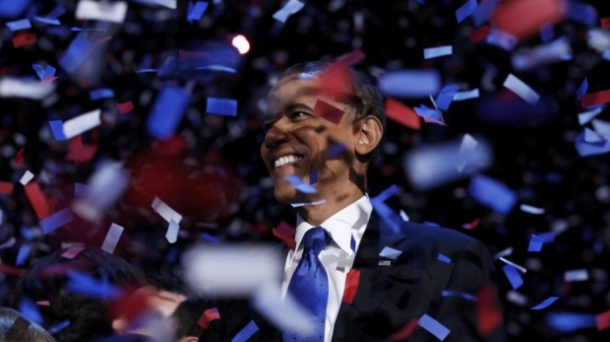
(335, 271)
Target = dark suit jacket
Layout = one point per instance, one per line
(388, 297)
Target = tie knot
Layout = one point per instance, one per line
(315, 240)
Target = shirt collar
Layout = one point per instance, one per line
(349, 221)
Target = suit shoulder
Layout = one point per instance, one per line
(438, 236)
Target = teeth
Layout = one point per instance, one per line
(285, 160)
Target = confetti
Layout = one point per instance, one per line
(575, 275)
(520, 88)
(531, 209)
(49, 21)
(586, 149)
(166, 112)
(30, 311)
(296, 205)
(82, 123)
(328, 112)
(465, 10)
(31, 89)
(585, 117)
(57, 127)
(352, 281)
(285, 232)
(229, 270)
(444, 258)
(125, 107)
(582, 89)
(546, 32)
(565, 322)
(85, 284)
(430, 53)
(513, 276)
(605, 22)
(38, 200)
(449, 293)
(298, 184)
(484, 11)
(23, 38)
(402, 114)
(290, 8)
(466, 95)
(244, 334)
(207, 316)
(196, 10)
(545, 304)
(56, 220)
(112, 238)
(593, 137)
(520, 268)
(284, 313)
(13, 8)
(529, 59)
(581, 13)
(433, 326)
(26, 178)
(58, 327)
(588, 100)
(446, 96)
(6, 188)
(603, 320)
(479, 34)
(102, 93)
(488, 310)
(22, 255)
(410, 83)
(17, 25)
(601, 127)
(172, 232)
(72, 252)
(105, 11)
(9, 243)
(535, 244)
(492, 194)
(406, 331)
(523, 18)
(103, 189)
(390, 253)
(501, 39)
(226, 107)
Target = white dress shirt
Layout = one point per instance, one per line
(337, 257)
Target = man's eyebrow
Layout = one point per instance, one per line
(288, 108)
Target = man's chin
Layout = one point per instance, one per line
(288, 196)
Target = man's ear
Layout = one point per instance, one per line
(369, 135)
(189, 339)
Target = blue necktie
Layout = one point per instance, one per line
(309, 285)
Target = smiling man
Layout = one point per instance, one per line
(323, 125)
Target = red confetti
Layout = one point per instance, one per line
(6, 188)
(23, 38)
(603, 320)
(285, 232)
(351, 58)
(72, 252)
(523, 18)
(207, 317)
(406, 331)
(328, 112)
(489, 313)
(19, 157)
(592, 99)
(125, 107)
(605, 22)
(471, 225)
(49, 79)
(11, 270)
(351, 285)
(38, 200)
(479, 34)
(79, 152)
(402, 114)
(43, 303)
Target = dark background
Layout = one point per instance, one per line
(211, 173)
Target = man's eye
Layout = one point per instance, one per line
(298, 114)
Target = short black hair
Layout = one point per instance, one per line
(186, 316)
(46, 281)
(366, 99)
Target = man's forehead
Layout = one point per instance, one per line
(292, 87)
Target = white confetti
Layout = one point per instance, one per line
(165, 211)
(104, 188)
(82, 123)
(172, 231)
(112, 238)
(521, 89)
(505, 252)
(286, 314)
(291, 7)
(531, 209)
(516, 298)
(466, 95)
(26, 178)
(30, 89)
(519, 267)
(576, 275)
(390, 253)
(601, 127)
(556, 51)
(105, 11)
(438, 51)
(587, 116)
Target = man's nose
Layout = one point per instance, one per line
(277, 134)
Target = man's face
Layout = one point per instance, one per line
(297, 141)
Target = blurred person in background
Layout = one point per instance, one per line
(15, 328)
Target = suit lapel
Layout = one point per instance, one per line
(376, 281)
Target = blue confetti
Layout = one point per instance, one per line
(22, 255)
(450, 293)
(30, 311)
(535, 244)
(513, 276)
(77, 52)
(410, 83)
(444, 258)
(49, 21)
(433, 326)
(546, 303)
(426, 112)
(80, 189)
(57, 12)
(17, 25)
(445, 97)
(385, 194)
(584, 14)
(389, 218)
(586, 149)
(58, 327)
(217, 68)
(209, 238)
(465, 10)
(548, 237)
(12, 8)
(492, 194)
(297, 182)
(218, 106)
(567, 321)
(57, 127)
(43, 73)
(335, 150)
(484, 12)
(56, 220)
(546, 32)
(244, 334)
(167, 111)
(84, 284)
(195, 11)
(102, 93)
(26, 232)
(313, 178)
(582, 89)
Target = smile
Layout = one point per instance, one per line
(286, 160)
